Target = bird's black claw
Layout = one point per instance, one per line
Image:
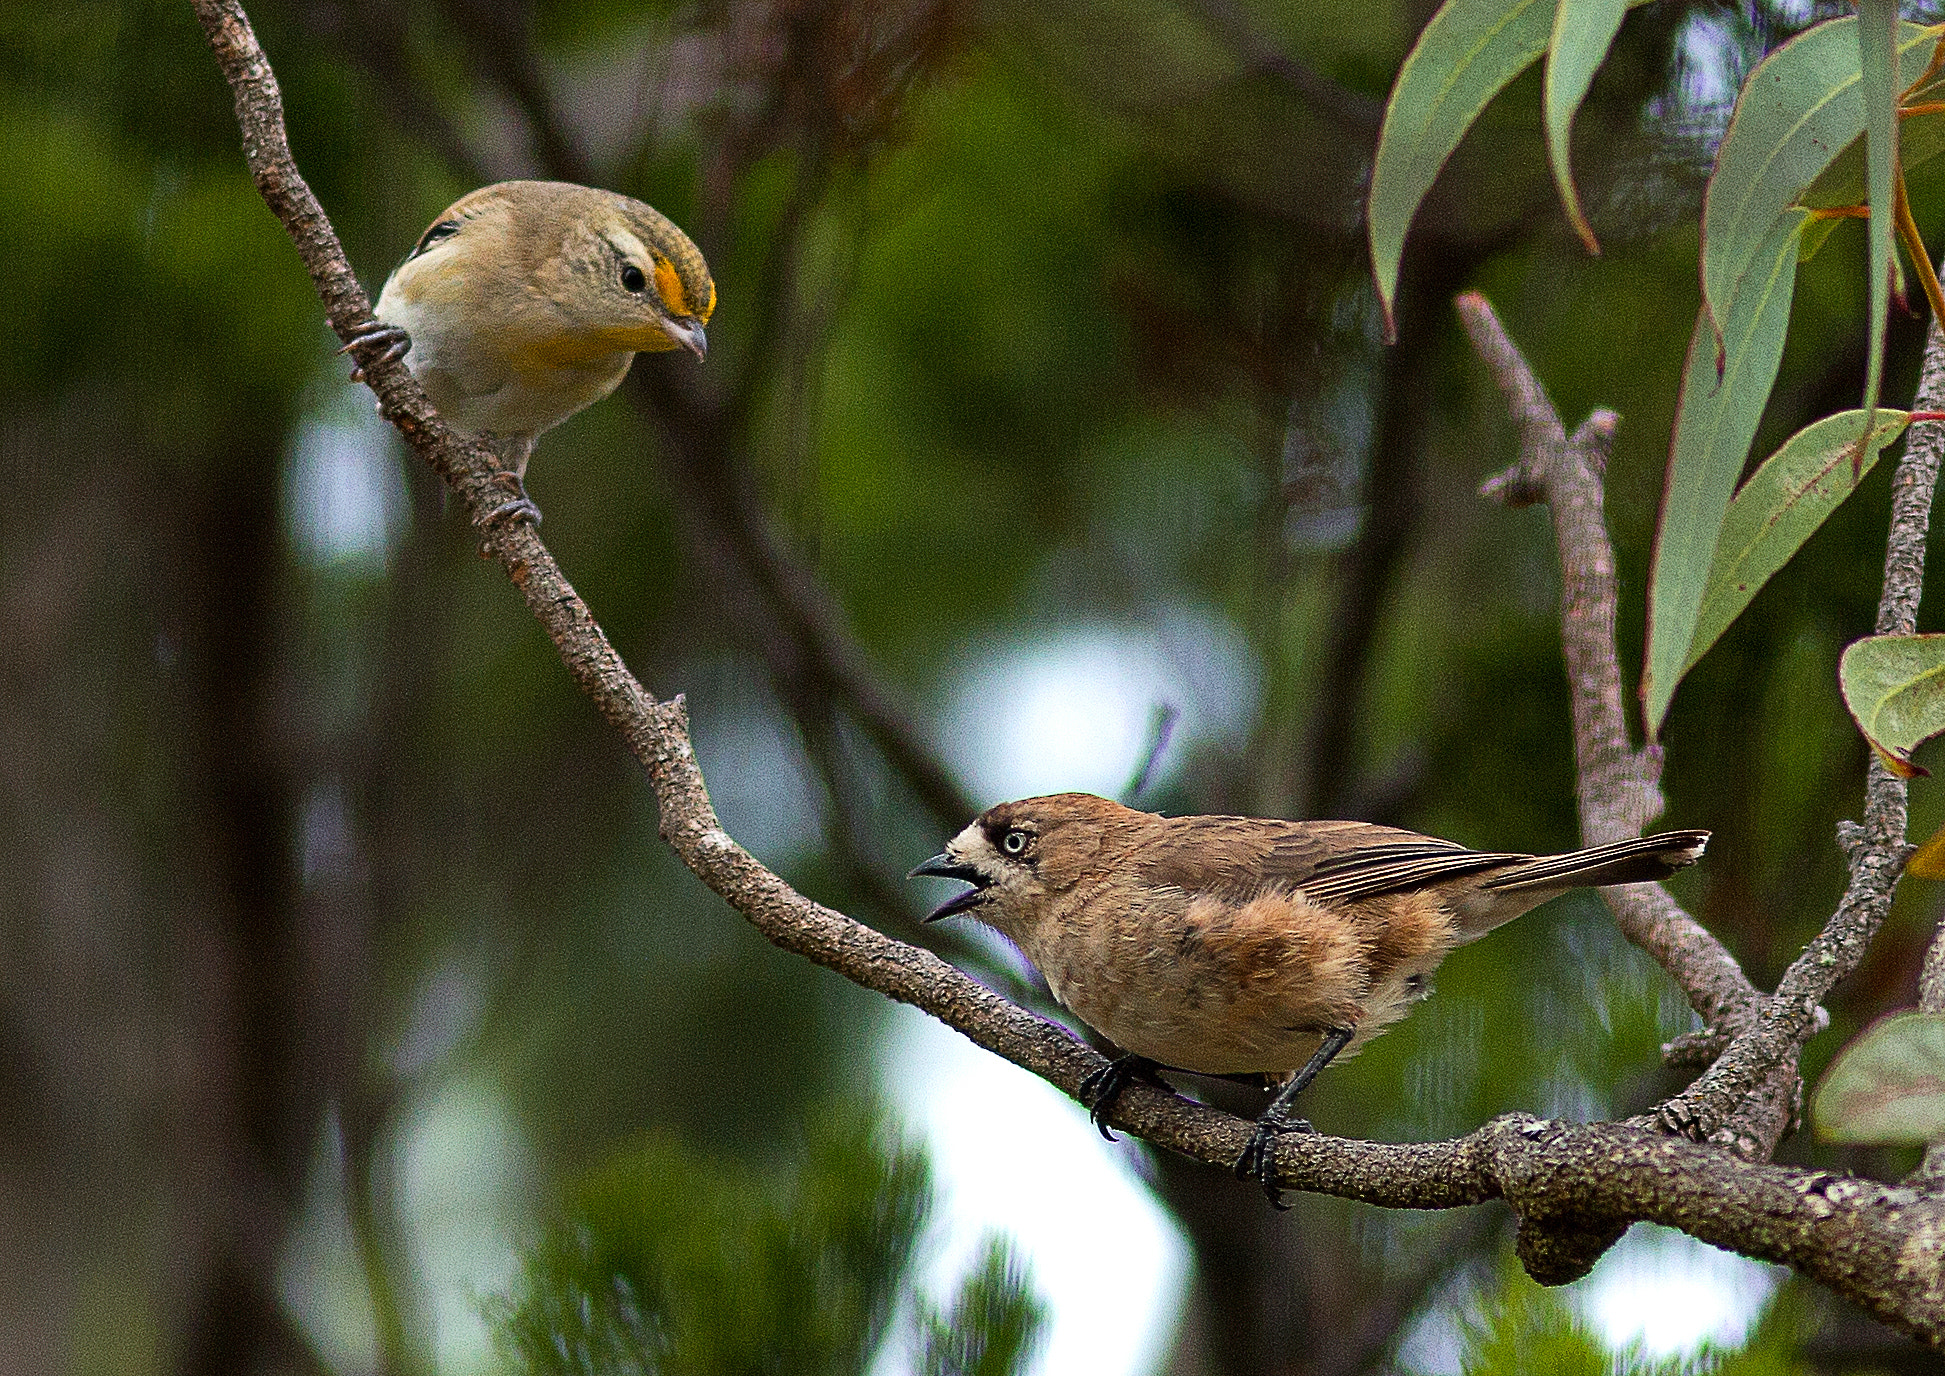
(1258, 1161)
(1104, 1084)
(391, 342)
(517, 507)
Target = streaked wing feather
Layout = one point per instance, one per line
(1393, 876)
(1241, 857)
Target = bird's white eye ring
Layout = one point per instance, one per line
(1014, 842)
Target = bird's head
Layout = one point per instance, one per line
(579, 273)
(1015, 855)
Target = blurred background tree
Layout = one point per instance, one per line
(1045, 406)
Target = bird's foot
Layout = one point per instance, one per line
(516, 507)
(390, 343)
(1104, 1084)
(1258, 1161)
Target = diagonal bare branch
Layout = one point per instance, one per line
(1619, 787)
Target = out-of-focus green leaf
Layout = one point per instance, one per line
(1877, 49)
(995, 1325)
(1888, 1086)
(1928, 861)
(1714, 427)
(1583, 31)
(671, 1262)
(1800, 108)
(1894, 686)
(1779, 508)
(1467, 54)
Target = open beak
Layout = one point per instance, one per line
(945, 867)
(688, 333)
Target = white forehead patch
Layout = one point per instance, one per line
(628, 246)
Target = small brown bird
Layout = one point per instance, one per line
(1238, 946)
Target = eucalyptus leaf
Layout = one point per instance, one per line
(1780, 507)
(1877, 48)
(1888, 1086)
(1466, 55)
(1583, 31)
(1800, 108)
(1894, 686)
(1715, 424)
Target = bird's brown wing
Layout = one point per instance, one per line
(1240, 857)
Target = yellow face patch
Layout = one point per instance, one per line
(668, 284)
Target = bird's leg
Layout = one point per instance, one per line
(513, 452)
(1259, 1157)
(391, 342)
(1104, 1084)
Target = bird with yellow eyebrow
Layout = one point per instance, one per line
(527, 301)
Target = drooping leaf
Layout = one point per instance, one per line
(1894, 686)
(1888, 1086)
(1877, 47)
(1800, 108)
(1583, 31)
(1715, 424)
(1779, 508)
(1467, 54)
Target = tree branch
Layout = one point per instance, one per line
(1619, 787)
(1875, 1244)
(1876, 849)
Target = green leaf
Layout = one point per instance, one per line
(1877, 48)
(1921, 138)
(1888, 1086)
(1894, 686)
(1583, 31)
(1779, 508)
(1467, 54)
(1715, 424)
(1799, 109)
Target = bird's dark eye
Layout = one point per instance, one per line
(1014, 842)
(445, 229)
(632, 279)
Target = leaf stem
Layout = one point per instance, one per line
(1915, 246)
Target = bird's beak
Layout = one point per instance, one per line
(688, 333)
(945, 867)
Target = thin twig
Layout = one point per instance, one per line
(1857, 1237)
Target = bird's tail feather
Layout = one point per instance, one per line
(1623, 862)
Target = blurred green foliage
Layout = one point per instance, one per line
(1520, 1328)
(668, 1263)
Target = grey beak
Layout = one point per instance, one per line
(945, 867)
(688, 333)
